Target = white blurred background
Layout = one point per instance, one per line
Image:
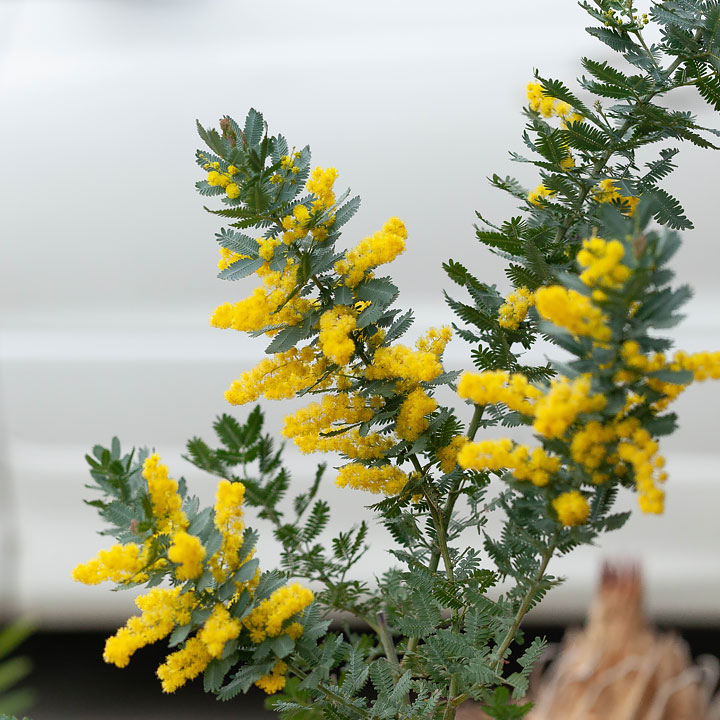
(108, 259)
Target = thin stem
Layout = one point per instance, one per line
(329, 694)
(387, 643)
(449, 713)
(525, 604)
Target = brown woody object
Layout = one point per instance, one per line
(619, 667)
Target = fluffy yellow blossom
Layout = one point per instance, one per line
(321, 184)
(262, 307)
(280, 376)
(228, 519)
(607, 192)
(266, 247)
(232, 191)
(572, 311)
(535, 466)
(411, 422)
(387, 479)
(164, 496)
(435, 340)
(119, 564)
(162, 609)
(448, 455)
(602, 262)
(572, 508)
(275, 681)
(560, 406)
(183, 665)
(515, 308)
(188, 552)
(589, 445)
(218, 629)
(567, 163)
(639, 450)
(377, 249)
(499, 386)
(537, 195)
(227, 258)
(400, 361)
(267, 618)
(309, 426)
(335, 328)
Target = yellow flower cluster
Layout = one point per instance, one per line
(164, 496)
(572, 508)
(260, 309)
(639, 450)
(548, 106)
(377, 249)
(448, 455)
(183, 665)
(572, 311)
(536, 196)
(435, 340)
(535, 466)
(275, 681)
(387, 479)
(411, 422)
(308, 426)
(120, 564)
(279, 376)
(400, 361)
(321, 184)
(565, 400)
(188, 552)
(602, 262)
(607, 192)
(161, 610)
(229, 521)
(335, 328)
(499, 386)
(223, 179)
(267, 618)
(588, 448)
(515, 308)
(227, 258)
(218, 629)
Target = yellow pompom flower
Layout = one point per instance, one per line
(400, 361)
(572, 508)
(267, 618)
(188, 552)
(218, 629)
(164, 496)
(448, 455)
(560, 406)
(377, 249)
(572, 311)
(602, 262)
(213, 178)
(161, 611)
(515, 308)
(232, 190)
(411, 422)
(120, 564)
(537, 195)
(321, 184)
(183, 665)
(275, 681)
(387, 479)
(499, 386)
(335, 328)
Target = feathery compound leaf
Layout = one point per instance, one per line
(237, 242)
(615, 40)
(669, 210)
(344, 213)
(254, 126)
(560, 91)
(241, 268)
